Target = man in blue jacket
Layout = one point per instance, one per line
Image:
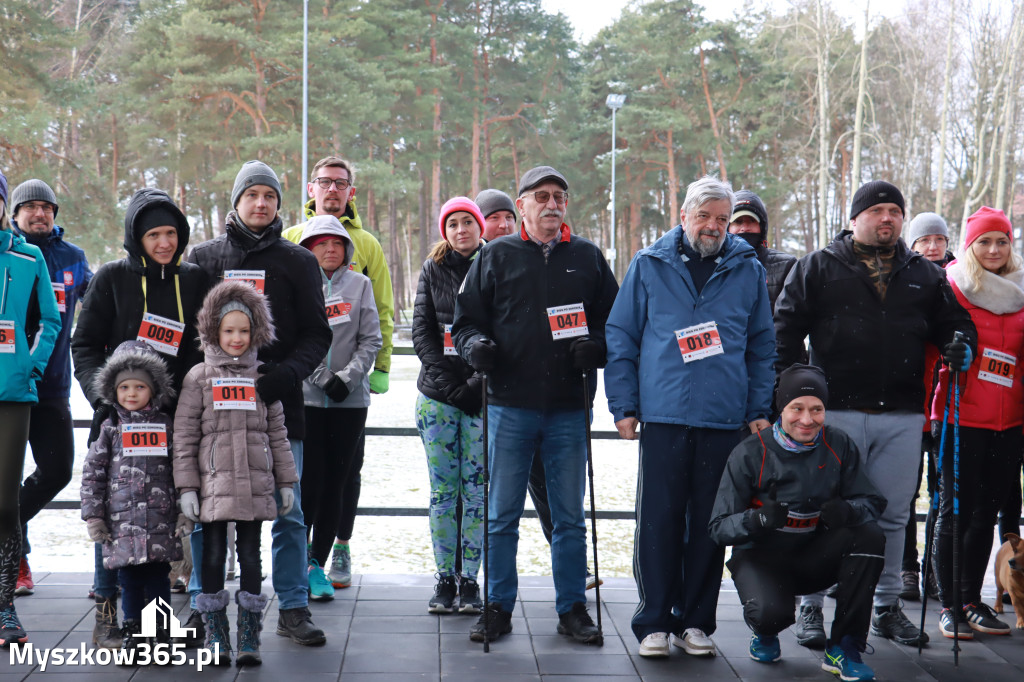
(34, 209)
(690, 353)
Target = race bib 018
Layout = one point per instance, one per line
(699, 341)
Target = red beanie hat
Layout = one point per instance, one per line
(984, 220)
(459, 204)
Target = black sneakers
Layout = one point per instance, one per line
(444, 595)
(946, 626)
(911, 590)
(577, 623)
(499, 622)
(810, 627)
(297, 623)
(469, 596)
(982, 618)
(890, 623)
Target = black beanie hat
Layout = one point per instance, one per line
(157, 216)
(876, 192)
(748, 203)
(799, 380)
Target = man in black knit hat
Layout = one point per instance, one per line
(750, 222)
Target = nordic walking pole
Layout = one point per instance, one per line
(933, 505)
(593, 503)
(957, 596)
(487, 486)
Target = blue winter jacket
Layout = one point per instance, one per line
(646, 376)
(27, 300)
(68, 266)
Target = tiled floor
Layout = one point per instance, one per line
(379, 631)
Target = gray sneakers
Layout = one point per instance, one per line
(810, 627)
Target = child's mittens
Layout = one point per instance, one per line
(336, 389)
(184, 527)
(190, 505)
(287, 501)
(98, 531)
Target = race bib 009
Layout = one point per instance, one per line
(161, 333)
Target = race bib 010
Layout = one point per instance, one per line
(144, 440)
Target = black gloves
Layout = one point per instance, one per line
(275, 384)
(483, 354)
(99, 415)
(336, 389)
(836, 513)
(586, 353)
(957, 355)
(771, 515)
(467, 397)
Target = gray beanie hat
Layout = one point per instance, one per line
(255, 173)
(232, 306)
(33, 190)
(925, 224)
(494, 200)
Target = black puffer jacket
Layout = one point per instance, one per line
(440, 374)
(778, 264)
(293, 289)
(116, 299)
(872, 351)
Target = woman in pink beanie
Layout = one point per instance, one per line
(988, 281)
(448, 411)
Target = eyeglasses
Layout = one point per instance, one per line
(543, 197)
(33, 206)
(325, 183)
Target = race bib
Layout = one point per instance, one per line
(801, 523)
(255, 278)
(144, 440)
(234, 394)
(161, 333)
(567, 321)
(699, 341)
(997, 367)
(58, 291)
(449, 347)
(337, 311)
(6, 336)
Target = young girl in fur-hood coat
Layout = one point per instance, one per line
(231, 452)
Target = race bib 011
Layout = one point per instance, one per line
(234, 394)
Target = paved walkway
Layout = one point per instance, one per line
(379, 630)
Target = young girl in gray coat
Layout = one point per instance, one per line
(230, 453)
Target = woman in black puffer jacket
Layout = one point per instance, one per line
(448, 410)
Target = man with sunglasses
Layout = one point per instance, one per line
(531, 315)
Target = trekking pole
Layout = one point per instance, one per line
(933, 505)
(487, 485)
(957, 596)
(593, 503)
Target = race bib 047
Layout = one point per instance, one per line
(567, 321)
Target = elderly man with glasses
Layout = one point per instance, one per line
(531, 315)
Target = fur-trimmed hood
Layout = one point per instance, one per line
(999, 294)
(208, 321)
(135, 355)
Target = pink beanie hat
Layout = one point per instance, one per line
(459, 204)
(984, 220)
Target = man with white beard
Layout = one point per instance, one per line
(690, 352)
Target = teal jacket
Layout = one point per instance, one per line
(28, 311)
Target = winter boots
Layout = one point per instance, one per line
(214, 608)
(106, 634)
(250, 623)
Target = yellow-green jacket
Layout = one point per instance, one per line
(369, 260)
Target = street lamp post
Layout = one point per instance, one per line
(614, 102)
(305, 101)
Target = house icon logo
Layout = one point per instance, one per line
(159, 613)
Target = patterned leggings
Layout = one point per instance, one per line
(454, 444)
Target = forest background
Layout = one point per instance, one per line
(434, 98)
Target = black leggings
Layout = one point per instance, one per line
(329, 451)
(14, 421)
(141, 584)
(51, 437)
(247, 549)
(350, 496)
(988, 460)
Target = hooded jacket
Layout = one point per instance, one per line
(234, 458)
(293, 291)
(434, 310)
(355, 336)
(872, 351)
(368, 259)
(134, 495)
(647, 377)
(70, 273)
(29, 320)
(123, 290)
(991, 393)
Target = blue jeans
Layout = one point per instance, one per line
(288, 550)
(104, 580)
(559, 437)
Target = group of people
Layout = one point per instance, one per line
(251, 365)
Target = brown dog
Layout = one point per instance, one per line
(1009, 571)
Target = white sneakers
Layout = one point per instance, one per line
(655, 645)
(693, 642)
